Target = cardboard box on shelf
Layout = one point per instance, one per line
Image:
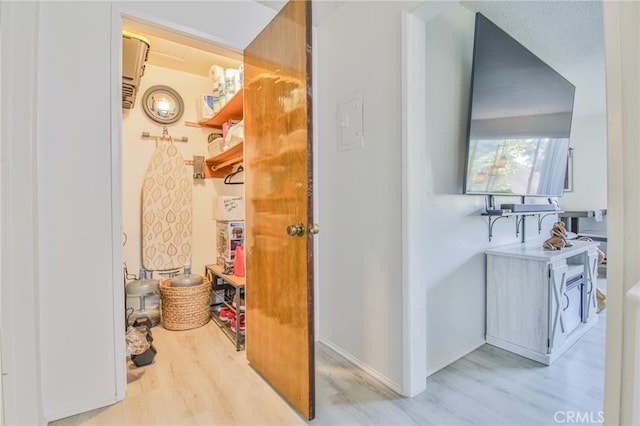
(228, 207)
(229, 234)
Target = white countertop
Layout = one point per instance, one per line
(533, 250)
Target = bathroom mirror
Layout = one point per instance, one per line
(162, 104)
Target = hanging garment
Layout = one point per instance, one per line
(166, 210)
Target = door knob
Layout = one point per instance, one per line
(295, 230)
(314, 228)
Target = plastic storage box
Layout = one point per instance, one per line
(229, 234)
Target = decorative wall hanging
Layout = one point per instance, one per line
(162, 104)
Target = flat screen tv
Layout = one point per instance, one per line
(519, 119)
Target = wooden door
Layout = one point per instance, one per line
(278, 191)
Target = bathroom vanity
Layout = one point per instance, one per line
(540, 302)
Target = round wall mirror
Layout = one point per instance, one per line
(162, 104)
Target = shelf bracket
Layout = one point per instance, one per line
(519, 220)
(493, 222)
(229, 162)
(541, 218)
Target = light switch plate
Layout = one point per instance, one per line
(350, 123)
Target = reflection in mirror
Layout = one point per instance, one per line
(162, 104)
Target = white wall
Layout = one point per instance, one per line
(77, 253)
(19, 281)
(231, 23)
(589, 143)
(137, 151)
(366, 261)
(456, 234)
(74, 189)
(360, 190)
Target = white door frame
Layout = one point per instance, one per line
(119, 14)
(1, 209)
(621, 39)
(1, 392)
(18, 203)
(116, 202)
(414, 200)
(414, 294)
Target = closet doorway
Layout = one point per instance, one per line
(277, 162)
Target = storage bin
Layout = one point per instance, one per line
(229, 235)
(215, 146)
(184, 308)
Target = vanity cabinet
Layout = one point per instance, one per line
(530, 309)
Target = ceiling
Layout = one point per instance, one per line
(187, 54)
(565, 34)
(320, 9)
(556, 28)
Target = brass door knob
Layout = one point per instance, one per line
(314, 228)
(295, 230)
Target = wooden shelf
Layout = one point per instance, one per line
(214, 272)
(226, 329)
(232, 110)
(223, 163)
(231, 279)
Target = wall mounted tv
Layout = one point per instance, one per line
(519, 119)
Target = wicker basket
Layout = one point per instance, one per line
(184, 308)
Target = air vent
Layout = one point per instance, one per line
(135, 51)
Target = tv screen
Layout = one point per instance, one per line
(519, 119)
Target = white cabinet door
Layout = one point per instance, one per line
(557, 288)
(589, 303)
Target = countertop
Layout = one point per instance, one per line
(533, 250)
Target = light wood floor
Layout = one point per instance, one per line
(197, 378)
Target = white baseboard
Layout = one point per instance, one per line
(455, 357)
(363, 366)
(66, 412)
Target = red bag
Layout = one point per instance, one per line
(238, 261)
